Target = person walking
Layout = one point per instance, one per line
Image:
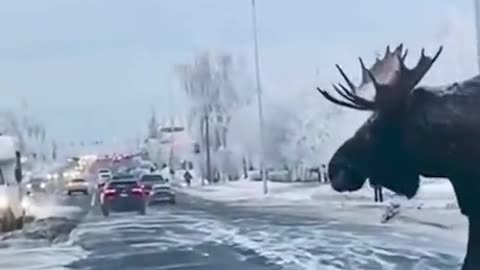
(188, 177)
(165, 172)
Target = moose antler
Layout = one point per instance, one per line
(390, 77)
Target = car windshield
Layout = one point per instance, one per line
(157, 179)
(78, 180)
(37, 180)
(146, 166)
(123, 177)
(123, 183)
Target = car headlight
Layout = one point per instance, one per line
(29, 185)
(43, 185)
(49, 176)
(25, 203)
(3, 202)
(55, 176)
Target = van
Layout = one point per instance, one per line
(12, 212)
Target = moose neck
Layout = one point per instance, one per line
(472, 259)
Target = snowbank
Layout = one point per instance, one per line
(436, 194)
(433, 210)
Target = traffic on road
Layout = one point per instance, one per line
(142, 221)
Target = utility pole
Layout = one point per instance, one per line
(259, 96)
(476, 4)
(172, 131)
(207, 143)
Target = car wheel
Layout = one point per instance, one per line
(173, 201)
(105, 211)
(8, 221)
(143, 210)
(69, 193)
(20, 222)
(85, 192)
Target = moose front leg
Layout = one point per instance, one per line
(472, 259)
(466, 198)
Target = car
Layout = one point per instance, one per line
(123, 193)
(37, 185)
(12, 211)
(77, 185)
(147, 166)
(70, 174)
(159, 188)
(103, 176)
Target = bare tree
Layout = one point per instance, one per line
(216, 85)
(153, 126)
(11, 125)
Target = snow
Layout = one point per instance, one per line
(436, 194)
(8, 148)
(433, 211)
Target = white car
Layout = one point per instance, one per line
(12, 212)
(37, 185)
(77, 185)
(103, 176)
(158, 188)
(71, 174)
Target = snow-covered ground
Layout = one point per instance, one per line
(433, 210)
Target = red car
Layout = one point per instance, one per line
(123, 193)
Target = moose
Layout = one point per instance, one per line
(413, 131)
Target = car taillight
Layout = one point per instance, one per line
(137, 190)
(109, 191)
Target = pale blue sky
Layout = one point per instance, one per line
(94, 68)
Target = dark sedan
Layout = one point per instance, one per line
(123, 193)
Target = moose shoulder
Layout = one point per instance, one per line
(413, 131)
(441, 128)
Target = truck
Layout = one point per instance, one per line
(12, 212)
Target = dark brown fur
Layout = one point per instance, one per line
(413, 132)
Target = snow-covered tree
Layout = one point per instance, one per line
(217, 85)
(153, 126)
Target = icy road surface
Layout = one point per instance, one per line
(203, 235)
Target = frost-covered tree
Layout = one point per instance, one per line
(153, 125)
(10, 124)
(217, 85)
(29, 131)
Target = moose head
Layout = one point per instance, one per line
(376, 151)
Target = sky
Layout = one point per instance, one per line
(94, 69)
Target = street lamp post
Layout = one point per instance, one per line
(476, 4)
(259, 95)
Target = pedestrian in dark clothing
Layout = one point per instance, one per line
(378, 193)
(188, 177)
